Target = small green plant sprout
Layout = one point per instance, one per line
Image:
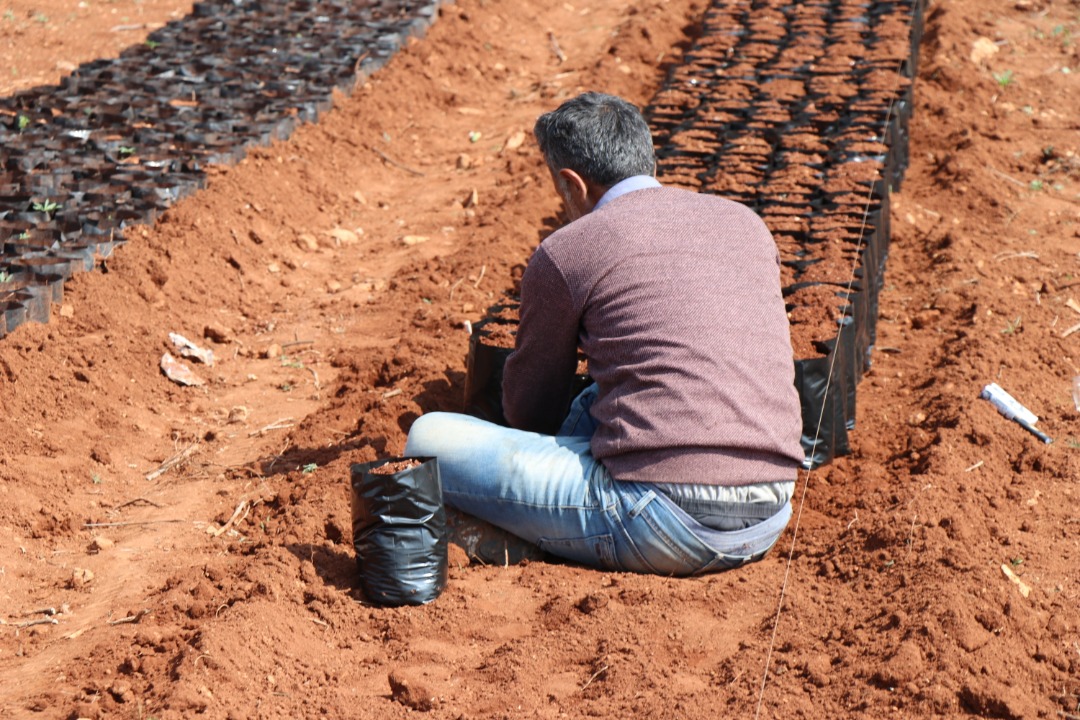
(1073, 443)
(1037, 185)
(309, 468)
(22, 122)
(24, 235)
(153, 44)
(286, 361)
(41, 18)
(46, 207)
(95, 478)
(1004, 79)
(1016, 561)
(1013, 326)
(5, 276)
(285, 387)
(1048, 153)
(126, 150)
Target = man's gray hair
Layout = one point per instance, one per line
(602, 138)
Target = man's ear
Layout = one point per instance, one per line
(576, 187)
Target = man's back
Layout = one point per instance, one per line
(682, 320)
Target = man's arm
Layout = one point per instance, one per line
(538, 376)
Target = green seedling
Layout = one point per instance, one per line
(1004, 79)
(46, 207)
(1012, 327)
(23, 122)
(309, 468)
(153, 44)
(24, 235)
(1036, 185)
(96, 479)
(125, 150)
(9, 15)
(41, 18)
(286, 361)
(1016, 561)
(285, 387)
(5, 276)
(1073, 444)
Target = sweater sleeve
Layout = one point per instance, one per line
(538, 377)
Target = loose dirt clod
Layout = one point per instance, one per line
(410, 693)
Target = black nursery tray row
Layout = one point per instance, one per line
(118, 141)
(800, 110)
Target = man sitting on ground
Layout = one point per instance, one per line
(681, 458)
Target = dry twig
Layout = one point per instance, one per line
(125, 524)
(244, 507)
(1012, 255)
(595, 675)
(281, 424)
(136, 500)
(555, 47)
(175, 461)
(1003, 176)
(396, 164)
(131, 618)
(39, 621)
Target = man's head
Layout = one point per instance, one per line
(590, 143)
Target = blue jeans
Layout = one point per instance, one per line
(551, 491)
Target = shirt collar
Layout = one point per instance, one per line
(629, 185)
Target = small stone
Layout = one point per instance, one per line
(342, 236)
(81, 578)
(215, 332)
(100, 543)
(333, 287)
(272, 351)
(515, 141)
(273, 268)
(238, 414)
(414, 239)
(473, 200)
(359, 197)
(982, 49)
(464, 161)
(121, 690)
(67, 311)
(307, 242)
(410, 693)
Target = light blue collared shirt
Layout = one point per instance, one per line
(629, 185)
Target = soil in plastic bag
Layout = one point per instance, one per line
(399, 531)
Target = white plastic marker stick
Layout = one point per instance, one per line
(1008, 406)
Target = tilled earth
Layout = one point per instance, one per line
(933, 572)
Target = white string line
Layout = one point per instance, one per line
(821, 415)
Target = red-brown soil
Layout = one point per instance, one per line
(226, 585)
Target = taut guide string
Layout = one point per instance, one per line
(821, 415)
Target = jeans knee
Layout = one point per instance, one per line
(426, 433)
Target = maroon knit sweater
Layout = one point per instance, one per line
(674, 297)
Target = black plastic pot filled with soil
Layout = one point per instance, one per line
(489, 346)
(399, 530)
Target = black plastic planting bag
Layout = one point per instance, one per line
(399, 532)
(483, 377)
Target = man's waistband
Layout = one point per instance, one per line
(728, 507)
